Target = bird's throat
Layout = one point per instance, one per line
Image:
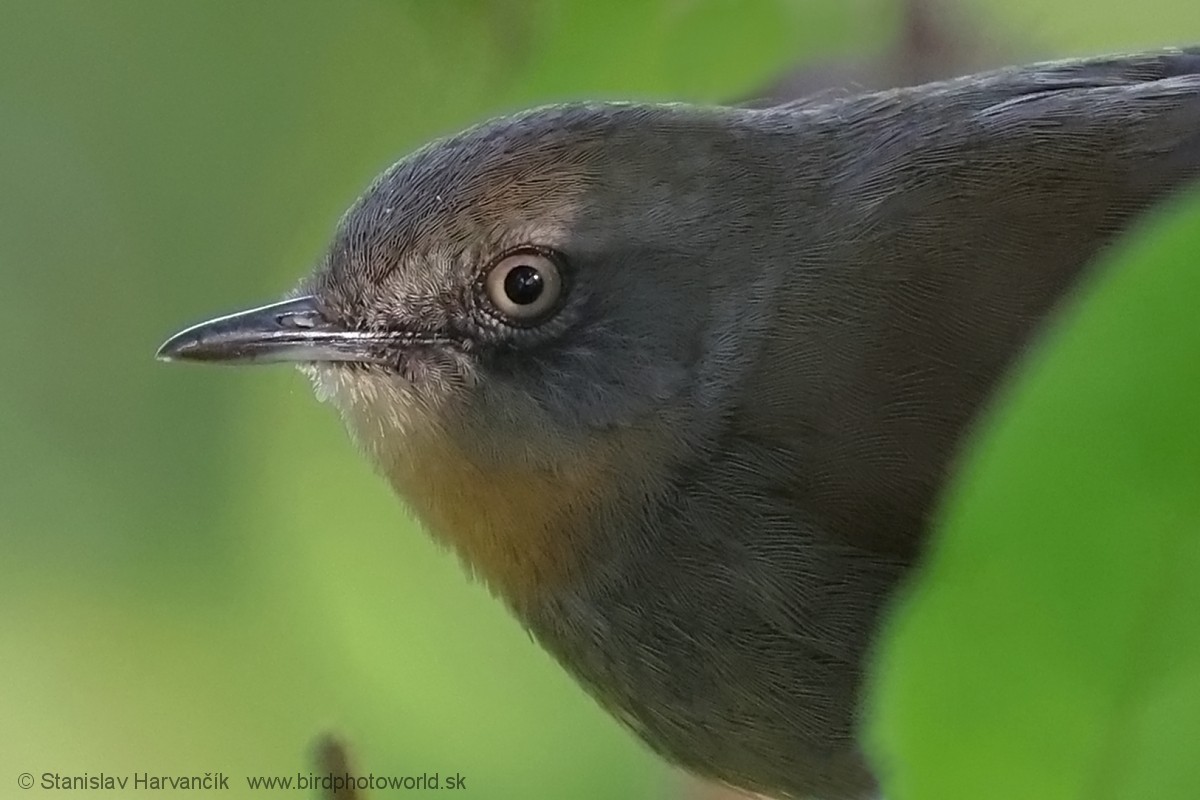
(521, 525)
(516, 526)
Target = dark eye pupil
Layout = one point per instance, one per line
(523, 284)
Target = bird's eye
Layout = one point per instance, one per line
(524, 286)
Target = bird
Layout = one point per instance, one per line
(682, 385)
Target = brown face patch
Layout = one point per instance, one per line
(423, 231)
(510, 522)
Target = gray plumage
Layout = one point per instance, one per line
(777, 327)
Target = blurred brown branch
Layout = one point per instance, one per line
(332, 759)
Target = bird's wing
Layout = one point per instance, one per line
(956, 216)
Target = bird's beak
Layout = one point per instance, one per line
(293, 330)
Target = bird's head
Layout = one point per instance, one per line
(516, 319)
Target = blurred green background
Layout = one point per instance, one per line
(197, 571)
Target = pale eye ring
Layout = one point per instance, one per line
(524, 285)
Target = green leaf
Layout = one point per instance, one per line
(1051, 648)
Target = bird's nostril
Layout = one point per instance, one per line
(297, 321)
